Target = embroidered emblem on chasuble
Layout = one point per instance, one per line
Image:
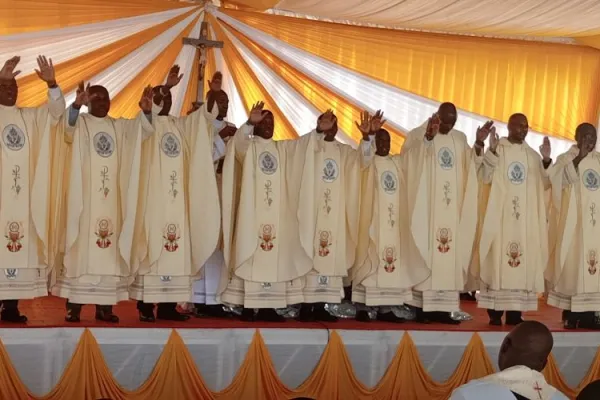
(104, 231)
(323, 281)
(267, 236)
(166, 278)
(389, 258)
(104, 144)
(591, 180)
(330, 170)
(389, 183)
(11, 273)
(516, 173)
(592, 262)
(171, 235)
(514, 253)
(267, 163)
(446, 158)
(14, 235)
(13, 137)
(444, 238)
(170, 145)
(324, 243)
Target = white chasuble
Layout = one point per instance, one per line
(382, 273)
(25, 197)
(101, 209)
(575, 276)
(441, 183)
(262, 249)
(514, 241)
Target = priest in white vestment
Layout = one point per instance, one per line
(522, 358)
(102, 203)
(25, 211)
(262, 248)
(573, 270)
(206, 286)
(379, 276)
(513, 247)
(440, 171)
(176, 237)
(327, 215)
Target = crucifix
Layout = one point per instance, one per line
(203, 44)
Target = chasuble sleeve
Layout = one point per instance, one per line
(362, 267)
(231, 180)
(352, 186)
(242, 141)
(488, 166)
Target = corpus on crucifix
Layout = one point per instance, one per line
(203, 44)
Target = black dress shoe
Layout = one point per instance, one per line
(13, 315)
(513, 318)
(362, 316)
(389, 317)
(321, 314)
(269, 315)
(444, 318)
(306, 313)
(105, 314)
(247, 315)
(146, 311)
(168, 312)
(496, 322)
(73, 312)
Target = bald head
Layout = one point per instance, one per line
(447, 113)
(382, 142)
(518, 127)
(529, 344)
(586, 136)
(99, 101)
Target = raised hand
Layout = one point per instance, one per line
(216, 82)
(174, 77)
(256, 114)
(146, 100)
(8, 73)
(227, 132)
(326, 121)
(494, 140)
(484, 131)
(45, 70)
(433, 126)
(82, 98)
(377, 122)
(365, 124)
(546, 149)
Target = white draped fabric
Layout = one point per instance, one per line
(67, 43)
(186, 61)
(40, 355)
(404, 111)
(115, 78)
(300, 113)
(516, 17)
(236, 114)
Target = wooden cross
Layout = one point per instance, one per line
(203, 44)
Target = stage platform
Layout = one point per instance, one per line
(40, 350)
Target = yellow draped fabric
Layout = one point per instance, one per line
(87, 377)
(316, 94)
(32, 91)
(557, 86)
(249, 87)
(18, 16)
(125, 104)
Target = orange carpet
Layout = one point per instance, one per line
(49, 312)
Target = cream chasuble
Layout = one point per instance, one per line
(514, 241)
(206, 286)
(442, 193)
(574, 275)
(379, 276)
(328, 212)
(101, 209)
(25, 198)
(263, 251)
